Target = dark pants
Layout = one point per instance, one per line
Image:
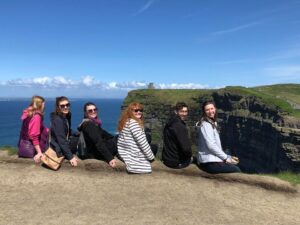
(219, 167)
(180, 165)
(154, 149)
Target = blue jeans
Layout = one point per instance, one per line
(219, 167)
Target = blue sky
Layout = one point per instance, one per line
(106, 48)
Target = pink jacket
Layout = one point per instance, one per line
(36, 126)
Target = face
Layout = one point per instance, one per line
(183, 113)
(210, 111)
(92, 111)
(137, 112)
(64, 107)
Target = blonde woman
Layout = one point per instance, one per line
(133, 146)
(33, 135)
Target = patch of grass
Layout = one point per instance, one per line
(289, 176)
(10, 149)
(166, 96)
(268, 97)
(282, 97)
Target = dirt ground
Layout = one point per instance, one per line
(95, 194)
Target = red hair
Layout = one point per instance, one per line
(128, 114)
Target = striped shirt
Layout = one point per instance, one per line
(134, 148)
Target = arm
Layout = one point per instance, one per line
(34, 132)
(106, 135)
(95, 136)
(208, 133)
(140, 138)
(58, 129)
(34, 129)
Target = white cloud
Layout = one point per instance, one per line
(181, 86)
(112, 85)
(63, 81)
(144, 7)
(41, 80)
(89, 82)
(235, 29)
(220, 33)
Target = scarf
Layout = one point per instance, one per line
(96, 121)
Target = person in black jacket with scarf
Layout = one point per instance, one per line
(177, 151)
(61, 130)
(100, 144)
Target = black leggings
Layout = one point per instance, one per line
(219, 167)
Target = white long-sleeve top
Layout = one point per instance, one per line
(134, 148)
(209, 147)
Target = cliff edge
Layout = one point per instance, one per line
(260, 125)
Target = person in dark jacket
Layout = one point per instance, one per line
(99, 143)
(61, 130)
(177, 151)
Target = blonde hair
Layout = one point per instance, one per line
(128, 114)
(36, 105)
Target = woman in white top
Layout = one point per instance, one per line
(133, 146)
(211, 157)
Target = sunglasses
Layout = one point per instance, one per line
(137, 110)
(92, 110)
(65, 105)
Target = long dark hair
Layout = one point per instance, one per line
(84, 108)
(204, 117)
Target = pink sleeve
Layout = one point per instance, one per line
(34, 129)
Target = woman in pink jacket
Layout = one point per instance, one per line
(34, 134)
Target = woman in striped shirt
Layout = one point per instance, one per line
(133, 146)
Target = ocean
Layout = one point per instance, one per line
(11, 111)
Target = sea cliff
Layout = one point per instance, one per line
(259, 125)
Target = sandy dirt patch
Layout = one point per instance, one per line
(96, 194)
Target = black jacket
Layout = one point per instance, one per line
(100, 144)
(177, 146)
(60, 133)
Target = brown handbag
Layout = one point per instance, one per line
(51, 160)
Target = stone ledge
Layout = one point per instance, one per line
(92, 165)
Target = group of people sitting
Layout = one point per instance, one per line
(131, 145)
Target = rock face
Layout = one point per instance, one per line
(262, 137)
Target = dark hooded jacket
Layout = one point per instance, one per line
(177, 146)
(99, 143)
(60, 133)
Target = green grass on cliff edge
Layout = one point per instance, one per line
(293, 178)
(286, 97)
(11, 150)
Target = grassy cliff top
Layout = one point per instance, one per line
(284, 96)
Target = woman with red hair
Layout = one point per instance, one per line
(133, 146)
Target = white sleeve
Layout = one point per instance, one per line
(208, 134)
(140, 138)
